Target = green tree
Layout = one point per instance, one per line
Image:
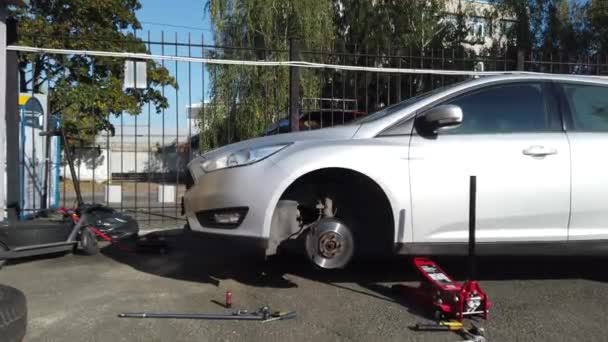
(379, 29)
(566, 30)
(85, 90)
(244, 100)
(597, 15)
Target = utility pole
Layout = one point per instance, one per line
(294, 86)
(9, 112)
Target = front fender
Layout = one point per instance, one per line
(383, 166)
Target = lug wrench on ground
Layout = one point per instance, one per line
(263, 314)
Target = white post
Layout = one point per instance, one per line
(3, 110)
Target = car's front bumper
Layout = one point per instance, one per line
(252, 187)
(244, 242)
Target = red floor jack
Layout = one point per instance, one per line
(448, 298)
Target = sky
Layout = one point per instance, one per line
(171, 21)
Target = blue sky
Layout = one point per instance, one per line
(175, 20)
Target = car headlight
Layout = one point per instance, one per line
(242, 157)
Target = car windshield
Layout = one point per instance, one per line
(403, 104)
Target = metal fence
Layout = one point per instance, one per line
(140, 166)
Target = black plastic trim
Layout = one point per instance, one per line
(245, 241)
(546, 89)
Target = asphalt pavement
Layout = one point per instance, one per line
(77, 297)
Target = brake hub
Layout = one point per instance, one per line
(330, 243)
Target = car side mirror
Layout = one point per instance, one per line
(441, 117)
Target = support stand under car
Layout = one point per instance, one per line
(447, 298)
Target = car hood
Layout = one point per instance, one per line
(325, 134)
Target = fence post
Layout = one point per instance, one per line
(9, 108)
(3, 68)
(294, 86)
(520, 60)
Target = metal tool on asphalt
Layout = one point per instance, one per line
(475, 334)
(440, 326)
(263, 314)
(449, 298)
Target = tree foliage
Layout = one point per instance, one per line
(258, 96)
(378, 25)
(554, 27)
(372, 33)
(597, 13)
(86, 90)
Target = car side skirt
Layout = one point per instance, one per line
(580, 248)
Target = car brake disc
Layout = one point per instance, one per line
(330, 244)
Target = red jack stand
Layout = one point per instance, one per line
(448, 298)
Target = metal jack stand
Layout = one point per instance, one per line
(448, 298)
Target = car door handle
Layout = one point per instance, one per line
(539, 151)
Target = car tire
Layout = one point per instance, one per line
(13, 314)
(88, 242)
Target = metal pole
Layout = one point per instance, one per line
(294, 86)
(233, 317)
(9, 102)
(472, 218)
(521, 60)
(3, 94)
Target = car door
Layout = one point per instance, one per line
(512, 139)
(587, 106)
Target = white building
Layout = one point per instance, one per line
(132, 150)
(483, 25)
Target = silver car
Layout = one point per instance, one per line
(397, 181)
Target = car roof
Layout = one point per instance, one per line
(541, 76)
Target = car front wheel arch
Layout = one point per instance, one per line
(357, 199)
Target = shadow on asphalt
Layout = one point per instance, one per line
(211, 259)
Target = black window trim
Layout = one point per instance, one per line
(567, 115)
(550, 89)
(547, 87)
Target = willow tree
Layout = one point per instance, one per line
(377, 30)
(245, 99)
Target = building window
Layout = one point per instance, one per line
(479, 28)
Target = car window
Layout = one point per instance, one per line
(403, 104)
(589, 106)
(506, 108)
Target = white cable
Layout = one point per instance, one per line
(302, 64)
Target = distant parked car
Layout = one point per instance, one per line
(397, 180)
(315, 120)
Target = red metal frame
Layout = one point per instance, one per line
(75, 218)
(448, 297)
